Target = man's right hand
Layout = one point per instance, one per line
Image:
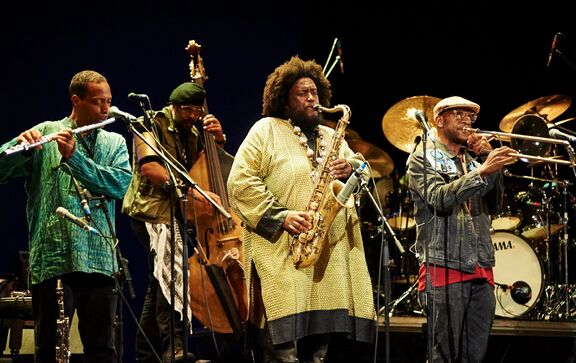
(297, 222)
(497, 159)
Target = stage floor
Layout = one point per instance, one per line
(501, 326)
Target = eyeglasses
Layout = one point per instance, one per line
(190, 110)
(460, 115)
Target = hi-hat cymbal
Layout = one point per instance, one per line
(399, 124)
(350, 134)
(380, 162)
(548, 107)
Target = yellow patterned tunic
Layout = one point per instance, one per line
(270, 175)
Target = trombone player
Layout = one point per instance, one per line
(450, 189)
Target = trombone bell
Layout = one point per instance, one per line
(531, 124)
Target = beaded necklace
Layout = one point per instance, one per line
(315, 149)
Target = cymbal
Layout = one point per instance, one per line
(399, 124)
(381, 163)
(548, 107)
(350, 134)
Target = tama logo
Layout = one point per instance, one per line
(503, 245)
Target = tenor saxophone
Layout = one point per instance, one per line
(323, 206)
(62, 328)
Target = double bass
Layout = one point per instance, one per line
(217, 287)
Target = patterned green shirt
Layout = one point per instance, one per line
(101, 165)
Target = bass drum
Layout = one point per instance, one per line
(518, 275)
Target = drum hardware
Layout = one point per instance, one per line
(16, 306)
(546, 219)
(541, 223)
(407, 303)
(549, 106)
(561, 183)
(559, 303)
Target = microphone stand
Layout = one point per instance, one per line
(123, 275)
(428, 302)
(384, 261)
(181, 196)
(147, 121)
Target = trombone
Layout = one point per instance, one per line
(526, 137)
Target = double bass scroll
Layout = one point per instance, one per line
(220, 300)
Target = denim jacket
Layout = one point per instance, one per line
(451, 213)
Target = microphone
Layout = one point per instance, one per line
(64, 213)
(83, 199)
(351, 184)
(116, 113)
(552, 49)
(137, 96)
(339, 50)
(520, 291)
(421, 117)
(557, 134)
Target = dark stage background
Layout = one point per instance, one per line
(498, 59)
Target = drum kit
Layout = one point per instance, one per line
(530, 231)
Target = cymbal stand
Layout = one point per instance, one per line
(405, 295)
(564, 248)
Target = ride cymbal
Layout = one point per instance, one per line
(548, 107)
(399, 124)
(381, 163)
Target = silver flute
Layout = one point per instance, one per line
(44, 139)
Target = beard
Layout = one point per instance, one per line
(303, 120)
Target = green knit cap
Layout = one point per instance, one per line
(188, 93)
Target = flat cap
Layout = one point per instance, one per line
(454, 102)
(188, 93)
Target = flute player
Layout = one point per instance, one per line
(56, 174)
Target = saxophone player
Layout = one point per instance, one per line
(297, 311)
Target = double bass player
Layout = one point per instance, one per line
(153, 209)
